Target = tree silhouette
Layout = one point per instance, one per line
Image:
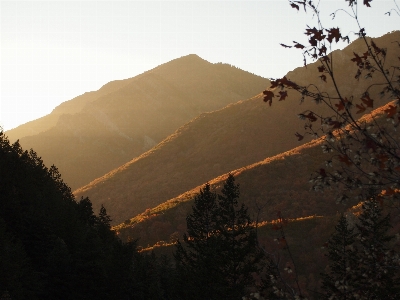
(220, 252)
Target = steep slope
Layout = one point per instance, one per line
(72, 106)
(131, 116)
(210, 145)
(278, 183)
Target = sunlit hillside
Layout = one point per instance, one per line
(99, 131)
(215, 143)
(279, 183)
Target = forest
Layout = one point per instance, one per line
(219, 240)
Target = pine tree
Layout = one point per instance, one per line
(220, 251)
(339, 280)
(362, 266)
(378, 275)
(197, 263)
(239, 253)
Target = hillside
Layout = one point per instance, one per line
(278, 183)
(102, 130)
(213, 144)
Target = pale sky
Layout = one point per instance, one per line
(53, 51)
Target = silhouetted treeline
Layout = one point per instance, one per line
(53, 247)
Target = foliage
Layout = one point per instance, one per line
(220, 250)
(367, 159)
(51, 246)
(343, 260)
(362, 265)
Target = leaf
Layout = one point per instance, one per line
(282, 95)
(311, 117)
(345, 159)
(321, 68)
(366, 3)
(294, 6)
(335, 124)
(368, 101)
(322, 50)
(376, 48)
(286, 46)
(333, 33)
(268, 96)
(361, 108)
(298, 45)
(341, 105)
(323, 77)
(299, 136)
(391, 111)
(357, 59)
(317, 34)
(322, 172)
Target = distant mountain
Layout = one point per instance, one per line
(68, 107)
(218, 142)
(99, 131)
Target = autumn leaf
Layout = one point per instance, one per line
(322, 50)
(335, 124)
(333, 33)
(268, 96)
(391, 111)
(340, 106)
(282, 95)
(323, 77)
(345, 159)
(316, 34)
(322, 172)
(361, 108)
(311, 117)
(366, 3)
(368, 101)
(376, 48)
(321, 68)
(299, 136)
(294, 6)
(298, 45)
(357, 59)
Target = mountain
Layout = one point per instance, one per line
(102, 130)
(72, 106)
(275, 184)
(218, 142)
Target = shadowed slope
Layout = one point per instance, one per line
(278, 183)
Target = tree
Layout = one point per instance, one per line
(342, 254)
(197, 261)
(367, 157)
(378, 268)
(362, 266)
(236, 232)
(220, 252)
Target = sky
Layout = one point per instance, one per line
(53, 51)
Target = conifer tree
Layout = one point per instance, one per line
(220, 250)
(239, 252)
(343, 261)
(378, 266)
(197, 263)
(362, 266)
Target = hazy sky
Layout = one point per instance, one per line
(53, 51)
